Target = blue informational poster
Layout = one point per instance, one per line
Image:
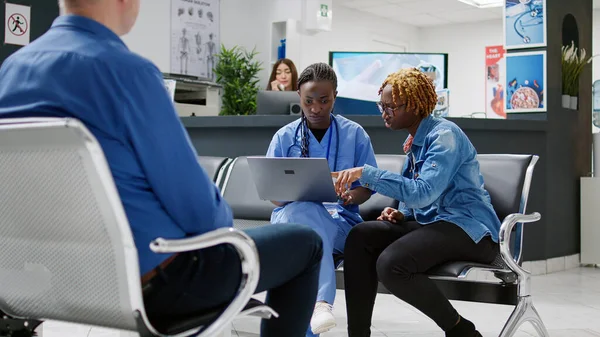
(526, 82)
(524, 24)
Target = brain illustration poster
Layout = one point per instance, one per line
(195, 37)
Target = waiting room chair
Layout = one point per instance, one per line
(214, 167)
(67, 249)
(508, 179)
(239, 191)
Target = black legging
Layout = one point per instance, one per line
(399, 255)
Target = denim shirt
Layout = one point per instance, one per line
(440, 181)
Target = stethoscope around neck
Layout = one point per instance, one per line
(337, 140)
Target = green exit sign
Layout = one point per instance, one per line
(324, 10)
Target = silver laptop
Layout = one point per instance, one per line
(292, 179)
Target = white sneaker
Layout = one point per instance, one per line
(322, 319)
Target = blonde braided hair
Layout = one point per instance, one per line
(416, 87)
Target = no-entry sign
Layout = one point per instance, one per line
(16, 24)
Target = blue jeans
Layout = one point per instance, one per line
(290, 258)
(333, 230)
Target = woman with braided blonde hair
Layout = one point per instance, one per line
(445, 214)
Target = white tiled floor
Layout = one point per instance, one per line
(568, 301)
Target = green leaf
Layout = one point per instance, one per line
(237, 71)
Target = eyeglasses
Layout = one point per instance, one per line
(388, 110)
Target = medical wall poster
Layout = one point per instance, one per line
(195, 37)
(524, 24)
(494, 82)
(16, 24)
(526, 82)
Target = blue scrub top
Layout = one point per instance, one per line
(345, 140)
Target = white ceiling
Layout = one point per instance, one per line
(426, 13)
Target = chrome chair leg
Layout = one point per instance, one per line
(537, 323)
(226, 331)
(524, 312)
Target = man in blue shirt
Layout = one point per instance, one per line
(81, 68)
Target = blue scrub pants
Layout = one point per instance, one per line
(333, 230)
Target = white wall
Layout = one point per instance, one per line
(150, 35)
(352, 31)
(465, 44)
(247, 23)
(243, 22)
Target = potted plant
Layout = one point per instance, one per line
(573, 61)
(237, 72)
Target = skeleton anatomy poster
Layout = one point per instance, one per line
(194, 37)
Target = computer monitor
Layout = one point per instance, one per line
(360, 75)
(277, 103)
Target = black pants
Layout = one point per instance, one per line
(399, 255)
(290, 259)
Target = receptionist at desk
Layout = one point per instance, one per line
(284, 76)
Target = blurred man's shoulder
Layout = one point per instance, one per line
(123, 58)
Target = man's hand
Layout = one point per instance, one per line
(392, 215)
(345, 179)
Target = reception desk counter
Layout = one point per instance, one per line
(267, 121)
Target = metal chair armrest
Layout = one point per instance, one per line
(250, 263)
(505, 232)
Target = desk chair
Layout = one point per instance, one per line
(66, 245)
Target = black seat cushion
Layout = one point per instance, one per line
(455, 268)
(172, 325)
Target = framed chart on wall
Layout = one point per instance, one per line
(524, 24)
(526, 82)
(195, 37)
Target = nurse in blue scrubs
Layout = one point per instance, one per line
(320, 134)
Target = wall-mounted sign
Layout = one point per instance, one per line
(16, 24)
(526, 82)
(524, 24)
(494, 82)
